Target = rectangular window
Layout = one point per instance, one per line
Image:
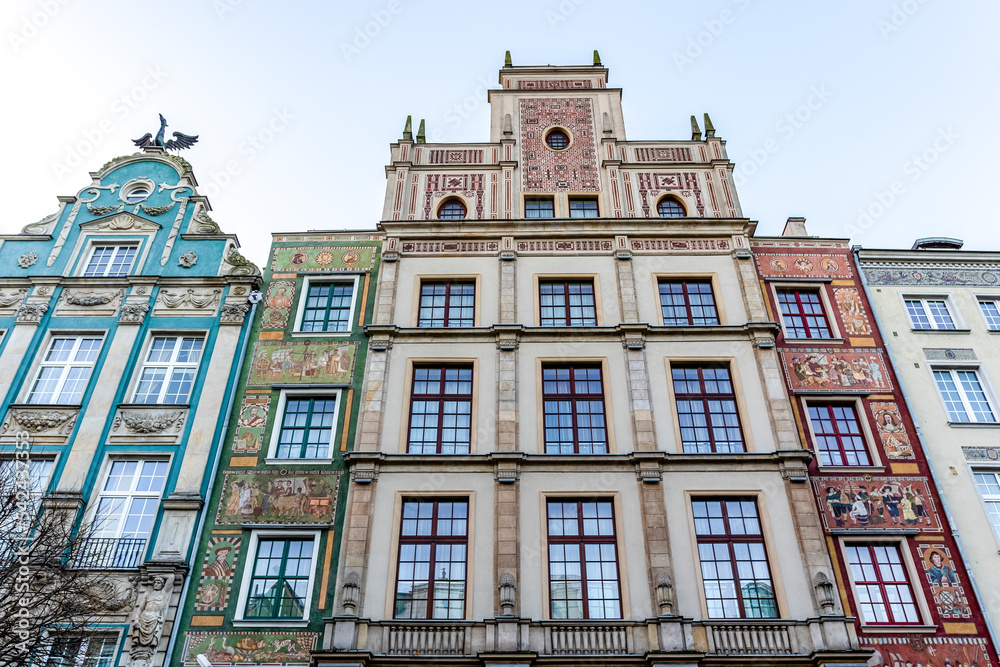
(988, 484)
(65, 370)
(280, 579)
(110, 261)
(539, 207)
(991, 312)
(706, 409)
(884, 593)
(447, 304)
(583, 207)
(92, 651)
(328, 307)
(126, 509)
(440, 410)
(14, 475)
(964, 395)
(929, 313)
(687, 303)
(803, 315)
(573, 407)
(734, 568)
(170, 369)
(839, 440)
(567, 303)
(307, 427)
(583, 560)
(433, 541)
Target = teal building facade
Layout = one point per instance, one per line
(123, 320)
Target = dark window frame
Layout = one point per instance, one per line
(686, 293)
(448, 210)
(836, 434)
(282, 576)
(442, 399)
(326, 309)
(573, 398)
(567, 308)
(308, 427)
(799, 320)
(670, 205)
(706, 397)
(433, 540)
(538, 210)
(881, 583)
(584, 205)
(558, 136)
(582, 539)
(448, 305)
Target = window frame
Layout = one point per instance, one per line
(411, 397)
(81, 654)
(985, 501)
(451, 199)
(573, 397)
(147, 346)
(992, 298)
(239, 617)
(404, 419)
(869, 436)
(912, 575)
(551, 198)
(710, 279)
(598, 209)
(283, 396)
(675, 199)
(734, 379)
(824, 299)
(93, 243)
(953, 311)
(562, 130)
(984, 383)
(609, 420)
(539, 278)
(303, 296)
(39, 362)
(418, 283)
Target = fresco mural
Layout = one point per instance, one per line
(278, 304)
(278, 496)
(312, 362)
(852, 312)
(891, 430)
(790, 265)
(249, 435)
(917, 651)
(319, 258)
(876, 503)
(949, 596)
(217, 570)
(924, 275)
(812, 369)
(272, 648)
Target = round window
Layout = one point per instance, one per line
(557, 140)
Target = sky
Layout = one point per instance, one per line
(874, 119)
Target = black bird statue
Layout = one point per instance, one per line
(177, 143)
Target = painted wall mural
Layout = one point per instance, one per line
(272, 648)
(852, 311)
(988, 276)
(939, 569)
(876, 503)
(796, 266)
(831, 369)
(278, 304)
(917, 651)
(249, 435)
(278, 496)
(313, 362)
(217, 573)
(891, 430)
(320, 258)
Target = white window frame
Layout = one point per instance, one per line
(912, 578)
(988, 391)
(272, 448)
(81, 655)
(96, 243)
(923, 298)
(37, 484)
(309, 281)
(995, 298)
(170, 366)
(239, 620)
(41, 363)
(99, 492)
(986, 499)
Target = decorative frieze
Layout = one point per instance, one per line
(189, 301)
(133, 313)
(89, 302)
(932, 275)
(55, 420)
(949, 354)
(31, 313)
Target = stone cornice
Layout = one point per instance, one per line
(536, 334)
(572, 228)
(930, 258)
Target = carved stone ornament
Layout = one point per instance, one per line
(27, 259)
(11, 297)
(149, 421)
(155, 210)
(190, 297)
(39, 421)
(507, 589)
(233, 313)
(124, 222)
(105, 210)
(40, 227)
(352, 593)
(93, 298)
(148, 625)
(112, 599)
(664, 593)
(133, 313)
(241, 265)
(31, 313)
(187, 260)
(824, 592)
(202, 224)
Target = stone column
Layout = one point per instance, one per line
(626, 280)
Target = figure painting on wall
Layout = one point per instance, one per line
(295, 363)
(883, 503)
(852, 312)
(249, 432)
(946, 587)
(278, 304)
(835, 370)
(266, 496)
(277, 648)
(217, 573)
(891, 430)
(915, 652)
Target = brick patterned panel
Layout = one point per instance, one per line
(574, 168)
(456, 157)
(684, 183)
(662, 154)
(439, 185)
(571, 84)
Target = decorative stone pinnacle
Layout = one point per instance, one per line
(408, 129)
(709, 128)
(695, 130)
(506, 60)
(421, 135)
(597, 58)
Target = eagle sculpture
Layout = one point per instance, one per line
(177, 143)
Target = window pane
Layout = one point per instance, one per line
(431, 579)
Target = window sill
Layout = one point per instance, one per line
(922, 629)
(974, 424)
(306, 462)
(941, 331)
(271, 623)
(152, 406)
(833, 470)
(320, 334)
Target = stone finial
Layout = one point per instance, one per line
(506, 60)
(664, 593)
(597, 58)
(507, 589)
(695, 130)
(508, 126)
(824, 592)
(408, 129)
(421, 135)
(352, 593)
(709, 128)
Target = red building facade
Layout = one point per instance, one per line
(898, 569)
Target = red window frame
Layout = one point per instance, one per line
(590, 539)
(738, 545)
(581, 420)
(865, 587)
(449, 306)
(719, 411)
(840, 417)
(685, 292)
(443, 398)
(433, 539)
(807, 318)
(588, 312)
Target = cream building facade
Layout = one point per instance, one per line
(939, 310)
(575, 440)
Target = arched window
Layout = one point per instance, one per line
(670, 208)
(452, 210)
(557, 140)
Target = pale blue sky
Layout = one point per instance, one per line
(889, 81)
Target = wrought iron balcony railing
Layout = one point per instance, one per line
(109, 553)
